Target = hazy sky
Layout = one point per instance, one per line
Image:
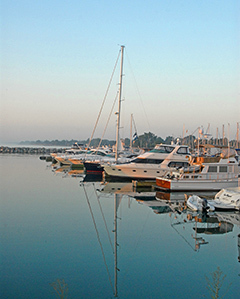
(181, 67)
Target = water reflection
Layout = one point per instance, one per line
(196, 230)
(201, 223)
(239, 247)
(114, 246)
(174, 204)
(67, 171)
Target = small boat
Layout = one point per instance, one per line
(77, 158)
(227, 199)
(197, 203)
(94, 166)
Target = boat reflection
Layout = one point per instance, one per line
(174, 204)
(67, 171)
(179, 196)
(195, 229)
(230, 216)
(114, 245)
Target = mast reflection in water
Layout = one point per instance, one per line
(162, 249)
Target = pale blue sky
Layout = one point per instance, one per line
(182, 66)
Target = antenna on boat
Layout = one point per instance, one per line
(131, 132)
(223, 136)
(237, 145)
(228, 141)
(119, 104)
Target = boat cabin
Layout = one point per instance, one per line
(222, 170)
(167, 149)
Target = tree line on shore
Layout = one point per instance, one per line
(146, 140)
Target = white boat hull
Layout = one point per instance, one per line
(197, 185)
(129, 171)
(227, 199)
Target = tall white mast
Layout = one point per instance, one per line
(119, 105)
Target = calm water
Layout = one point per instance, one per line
(55, 228)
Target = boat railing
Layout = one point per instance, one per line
(207, 176)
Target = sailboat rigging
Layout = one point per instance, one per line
(103, 102)
(119, 106)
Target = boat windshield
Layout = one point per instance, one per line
(176, 164)
(99, 153)
(183, 150)
(147, 161)
(163, 149)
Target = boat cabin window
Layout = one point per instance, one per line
(163, 149)
(212, 169)
(147, 161)
(178, 164)
(223, 169)
(183, 150)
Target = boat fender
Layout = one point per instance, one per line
(205, 204)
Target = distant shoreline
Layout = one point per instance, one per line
(148, 140)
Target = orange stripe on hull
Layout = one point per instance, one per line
(164, 184)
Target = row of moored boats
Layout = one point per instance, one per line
(172, 166)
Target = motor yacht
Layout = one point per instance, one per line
(149, 165)
(211, 177)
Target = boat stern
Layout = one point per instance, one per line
(163, 183)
